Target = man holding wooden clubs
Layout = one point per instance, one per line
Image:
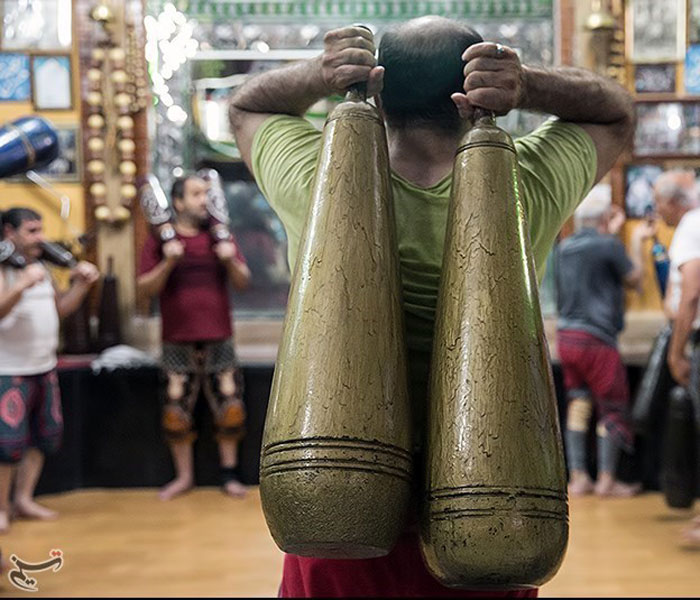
(31, 421)
(433, 78)
(189, 269)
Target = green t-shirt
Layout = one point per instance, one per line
(557, 167)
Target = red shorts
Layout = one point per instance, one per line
(401, 573)
(589, 365)
(30, 415)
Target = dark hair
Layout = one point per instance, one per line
(16, 216)
(178, 189)
(422, 69)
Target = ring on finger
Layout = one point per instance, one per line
(500, 50)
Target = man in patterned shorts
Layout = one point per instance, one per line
(31, 421)
(190, 275)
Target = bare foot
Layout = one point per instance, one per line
(235, 489)
(580, 484)
(691, 535)
(4, 522)
(29, 509)
(617, 489)
(176, 487)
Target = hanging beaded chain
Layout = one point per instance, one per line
(118, 74)
(96, 135)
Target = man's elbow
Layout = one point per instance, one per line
(236, 114)
(234, 117)
(627, 122)
(690, 299)
(243, 282)
(142, 288)
(634, 279)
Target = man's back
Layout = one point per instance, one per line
(590, 269)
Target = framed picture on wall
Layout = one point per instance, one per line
(694, 21)
(15, 82)
(231, 68)
(692, 69)
(67, 165)
(639, 189)
(667, 129)
(52, 82)
(658, 79)
(36, 25)
(657, 30)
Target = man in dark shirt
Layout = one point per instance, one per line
(592, 269)
(190, 274)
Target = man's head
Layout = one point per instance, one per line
(594, 210)
(675, 193)
(423, 67)
(189, 194)
(23, 227)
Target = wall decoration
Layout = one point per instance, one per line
(657, 30)
(692, 70)
(655, 78)
(667, 128)
(639, 190)
(15, 82)
(694, 21)
(302, 11)
(52, 82)
(67, 165)
(36, 25)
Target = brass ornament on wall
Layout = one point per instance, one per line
(607, 39)
(117, 67)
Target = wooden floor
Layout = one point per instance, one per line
(128, 543)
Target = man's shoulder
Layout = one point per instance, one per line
(591, 242)
(280, 128)
(554, 128)
(152, 240)
(687, 233)
(691, 220)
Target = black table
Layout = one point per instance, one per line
(113, 436)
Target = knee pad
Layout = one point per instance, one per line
(230, 418)
(176, 422)
(579, 413)
(231, 414)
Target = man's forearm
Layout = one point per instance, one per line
(636, 256)
(238, 273)
(68, 302)
(289, 90)
(575, 95)
(152, 283)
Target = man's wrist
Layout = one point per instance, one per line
(527, 74)
(80, 284)
(319, 86)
